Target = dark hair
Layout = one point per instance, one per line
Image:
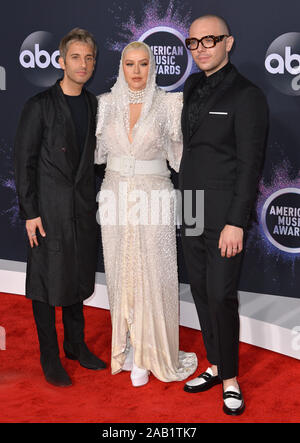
(78, 35)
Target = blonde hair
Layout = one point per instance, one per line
(135, 45)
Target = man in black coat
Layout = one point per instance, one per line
(224, 123)
(54, 162)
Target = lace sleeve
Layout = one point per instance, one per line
(174, 145)
(101, 150)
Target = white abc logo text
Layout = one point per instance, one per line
(39, 58)
(287, 63)
(282, 63)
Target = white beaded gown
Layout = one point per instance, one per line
(140, 259)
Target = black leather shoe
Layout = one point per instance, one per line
(209, 381)
(54, 373)
(80, 352)
(240, 407)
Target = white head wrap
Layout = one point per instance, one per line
(120, 90)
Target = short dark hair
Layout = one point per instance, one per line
(78, 35)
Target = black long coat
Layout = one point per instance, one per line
(224, 156)
(53, 182)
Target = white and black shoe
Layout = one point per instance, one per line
(203, 382)
(233, 402)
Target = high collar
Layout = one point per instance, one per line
(214, 79)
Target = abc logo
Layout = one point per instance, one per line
(39, 59)
(283, 63)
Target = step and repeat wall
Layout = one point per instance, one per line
(267, 51)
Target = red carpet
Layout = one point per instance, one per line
(270, 381)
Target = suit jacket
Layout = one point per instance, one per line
(53, 182)
(224, 155)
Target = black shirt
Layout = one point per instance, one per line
(201, 93)
(79, 112)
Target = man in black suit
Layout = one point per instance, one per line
(224, 123)
(54, 160)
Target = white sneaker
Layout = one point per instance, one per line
(128, 363)
(139, 376)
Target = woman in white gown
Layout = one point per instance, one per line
(138, 129)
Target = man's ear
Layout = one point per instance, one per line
(61, 62)
(229, 43)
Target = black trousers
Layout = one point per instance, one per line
(73, 321)
(214, 281)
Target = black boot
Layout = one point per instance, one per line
(54, 372)
(80, 352)
(74, 345)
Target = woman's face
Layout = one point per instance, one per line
(136, 68)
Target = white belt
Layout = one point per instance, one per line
(129, 166)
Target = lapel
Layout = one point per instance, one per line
(87, 144)
(214, 98)
(67, 127)
(76, 162)
(194, 80)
